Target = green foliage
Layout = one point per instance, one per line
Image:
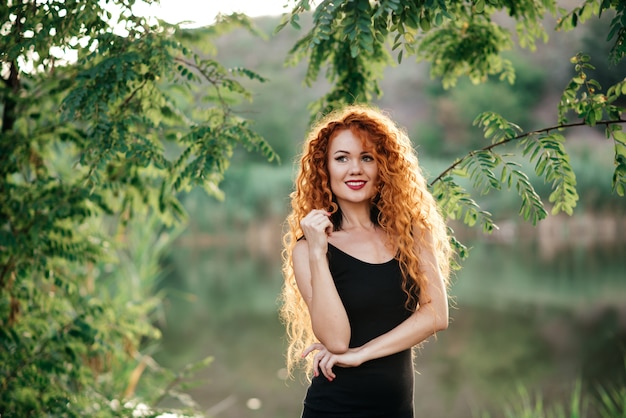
(617, 27)
(608, 70)
(619, 175)
(527, 407)
(87, 148)
(552, 164)
(456, 203)
(353, 67)
(544, 148)
(355, 39)
(467, 47)
(610, 404)
(582, 96)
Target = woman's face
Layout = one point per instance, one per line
(352, 168)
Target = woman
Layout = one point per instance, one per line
(366, 265)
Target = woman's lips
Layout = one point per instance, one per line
(355, 185)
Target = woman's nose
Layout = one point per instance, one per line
(355, 168)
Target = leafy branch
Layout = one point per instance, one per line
(543, 147)
(209, 145)
(489, 147)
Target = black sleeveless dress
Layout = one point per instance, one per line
(381, 388)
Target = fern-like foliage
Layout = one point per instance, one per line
(355, 39)
(488, 170)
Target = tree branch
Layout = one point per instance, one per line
(7, 267)
(10, 103)
(515, 138)
(214, 82)
(133, 93)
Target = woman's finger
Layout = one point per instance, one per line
(322, 366)
(315, 217)
(323, 361)
(329, 368)
(326, 366)
(311, 348)
(316, 362)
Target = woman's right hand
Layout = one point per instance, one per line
(317, 227)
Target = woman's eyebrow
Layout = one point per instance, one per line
(348, 152)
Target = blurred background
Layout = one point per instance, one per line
(536, 310)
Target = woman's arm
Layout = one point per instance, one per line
(328, 315)
(430, 317)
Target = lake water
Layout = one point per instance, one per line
(524, 319)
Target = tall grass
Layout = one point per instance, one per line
(610, 404)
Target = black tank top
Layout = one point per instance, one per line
(375, 303)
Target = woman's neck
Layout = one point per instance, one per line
(356, 218)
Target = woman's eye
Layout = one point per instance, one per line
(368, 158)
(341, 158)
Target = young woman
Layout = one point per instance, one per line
(366, 265)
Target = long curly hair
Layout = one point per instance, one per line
(404, 208)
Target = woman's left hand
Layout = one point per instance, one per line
(324, 360)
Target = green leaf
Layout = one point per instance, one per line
(479, 6)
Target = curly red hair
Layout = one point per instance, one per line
(404, 208)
